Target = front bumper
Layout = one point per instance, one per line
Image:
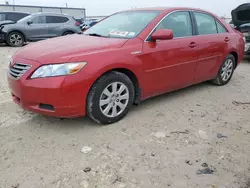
(2, 37)
(62, 93)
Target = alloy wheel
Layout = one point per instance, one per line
(114, 99)
(16, 39)
(227, 70)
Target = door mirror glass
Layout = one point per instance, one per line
(162, 34)
(30, 22)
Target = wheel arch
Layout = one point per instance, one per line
(236, 56)
(132, 76)
(67, 30)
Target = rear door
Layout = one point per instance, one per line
(37, 29)
(56, 25)
(213, 41)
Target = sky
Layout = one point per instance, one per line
(106, 7)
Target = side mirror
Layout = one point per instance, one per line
(29, 22)
(162, 34)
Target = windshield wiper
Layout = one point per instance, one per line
(95, 35)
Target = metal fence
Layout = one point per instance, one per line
(75, 12)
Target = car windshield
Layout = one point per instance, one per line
(26, 18)
(123, 25)
(2, 17)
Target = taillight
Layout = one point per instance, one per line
(78, 23)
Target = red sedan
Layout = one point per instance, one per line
(124, 59)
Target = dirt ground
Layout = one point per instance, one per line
(198, 137)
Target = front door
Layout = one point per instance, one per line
(37, 29)
(171, 64)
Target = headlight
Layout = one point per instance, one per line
(58, 70)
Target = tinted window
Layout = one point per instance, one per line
(205, 23)
(221, 29)
(56, 19)
(2, 17)
(15, 16)
(179, 22)
(39, 20)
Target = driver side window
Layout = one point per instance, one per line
(179, 23)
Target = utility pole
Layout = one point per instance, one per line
(13, 2)
(67, 5)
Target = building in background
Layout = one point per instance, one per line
(78, 13)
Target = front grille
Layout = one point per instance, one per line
(18, 70)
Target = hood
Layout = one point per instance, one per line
(6, 22)
(241, 15)
(61, 49)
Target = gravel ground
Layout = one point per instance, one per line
(167, 141)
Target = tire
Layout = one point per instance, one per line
(15, 39)
(68, 33)
(227, 68)
(103, 102)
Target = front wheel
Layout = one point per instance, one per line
(15, 39)
(110, 98)
(226, 71)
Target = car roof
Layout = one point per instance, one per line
(52, 14)
(165, 9)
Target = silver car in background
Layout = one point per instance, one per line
(36, 27)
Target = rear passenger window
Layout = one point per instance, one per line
(179, 22)
(56, 19)
(205, 23)
(221, 29)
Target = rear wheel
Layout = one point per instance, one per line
(68, 33)
(226, 71)
(110, 98)
(15, 39)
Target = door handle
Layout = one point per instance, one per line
(192, 45)
(226, 39)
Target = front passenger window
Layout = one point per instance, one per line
(39, 20)
(179, 23)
